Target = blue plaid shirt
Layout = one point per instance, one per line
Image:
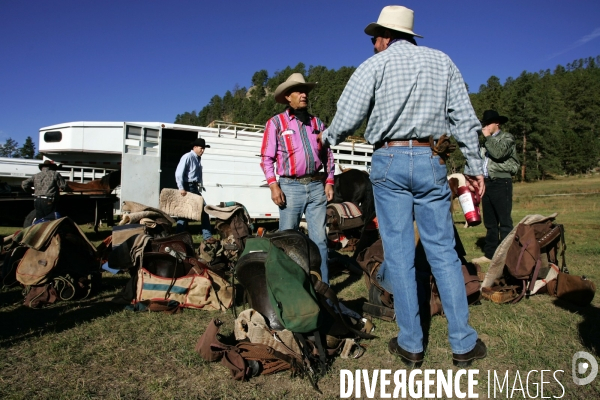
(408, 92)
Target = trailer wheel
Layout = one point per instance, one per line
(29, 219)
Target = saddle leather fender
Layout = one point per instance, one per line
(250, 273)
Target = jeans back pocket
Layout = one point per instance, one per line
(440, 172)
(380, 165)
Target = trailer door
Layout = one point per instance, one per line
(140, 169)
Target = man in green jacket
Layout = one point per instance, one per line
(500, 164)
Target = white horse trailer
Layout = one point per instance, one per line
(148, 153)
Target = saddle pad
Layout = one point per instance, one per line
(223, 213)
(206, 291)
(122, 233)
(346, 209)
(189, 206)
(190, 290)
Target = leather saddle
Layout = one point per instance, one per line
(167, 266)
(181, 242)
(164, 265)
(250, 270)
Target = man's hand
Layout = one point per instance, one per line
(489, 129)
(329, 192)
(277, 195)
(182, 192)
(320, 140)
(476, 184)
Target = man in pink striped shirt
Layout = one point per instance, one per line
(291, 150)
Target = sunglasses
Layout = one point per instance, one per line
(374, 40)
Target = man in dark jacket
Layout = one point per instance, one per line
(45, 186)
(500, 164)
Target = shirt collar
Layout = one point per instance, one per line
(290, 115)
(293, 116)
(398, 40)
(497, 133)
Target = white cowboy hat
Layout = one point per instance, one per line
(295, 79)
(395, 18)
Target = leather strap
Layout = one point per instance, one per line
(324, 290)
(385, 313)
(403, 143)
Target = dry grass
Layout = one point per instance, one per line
(94, 349)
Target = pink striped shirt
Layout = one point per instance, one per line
(293, 148)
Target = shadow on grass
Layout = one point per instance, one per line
(480, 242)
(23, 323)
(343, 263)
(10, 296)
(349, 281)
(589, 328)
(356, 304)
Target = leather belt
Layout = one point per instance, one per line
(304, 179)
(404, 143)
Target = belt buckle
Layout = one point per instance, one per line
(306, 180)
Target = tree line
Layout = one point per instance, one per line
(553, 115)
(11, 149)
(256, 104)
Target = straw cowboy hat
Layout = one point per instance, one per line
(49, 164)
(492, 115)
(295, 79)
(395, 18)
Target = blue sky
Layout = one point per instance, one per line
(126, 60)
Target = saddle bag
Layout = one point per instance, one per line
(57, 263)
(35, 266)
(534, 246)
(577, 290)
(234, 226)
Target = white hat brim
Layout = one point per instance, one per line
(373, 27)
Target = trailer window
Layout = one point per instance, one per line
(53, 136)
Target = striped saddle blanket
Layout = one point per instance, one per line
(342, 216)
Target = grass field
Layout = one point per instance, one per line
(95, 349)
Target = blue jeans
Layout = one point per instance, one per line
(182, 223)
(311, 201)
(409, 182)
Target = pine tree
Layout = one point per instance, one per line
(9, 148)
(27, 150)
